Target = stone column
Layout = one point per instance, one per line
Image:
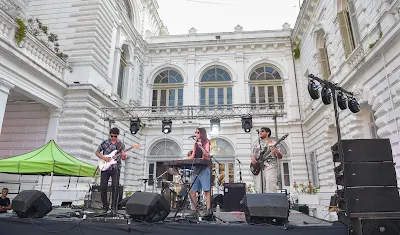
(54, 123)
(191, 91)
(291, 91)
(240, 89)
(5, 87)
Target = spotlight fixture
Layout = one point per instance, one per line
(215, 125)
(313, 90)
(326, 95)
(135, 125)
(354, 106)
(247, 123)
(341, 100)
(166, 126)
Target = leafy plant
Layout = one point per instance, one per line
(296, 51)
(20, 33)
(305, 188)
(128, 193)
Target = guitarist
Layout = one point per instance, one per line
(105, 148)
(270, 172)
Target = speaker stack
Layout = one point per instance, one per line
(369, 199)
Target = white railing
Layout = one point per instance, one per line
(31, 47)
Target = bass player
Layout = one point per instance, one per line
(270, 172)
(105, 148)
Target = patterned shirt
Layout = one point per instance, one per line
(271, 161)
(106, 147)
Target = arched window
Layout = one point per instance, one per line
(128, 9)
(167, 89)
(163, 150)
(348, 25)
(323, 59)
(224, 152)
(215, 87)
(122, 71)
(266, 85)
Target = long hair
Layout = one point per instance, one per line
(203, 135)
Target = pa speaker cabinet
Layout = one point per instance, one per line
(95, 199)
(266, 208)
(363, 150)
(233, 196)
(369, 199)
(148, 207)
(31, 204)
(366, 174)
(375, 226)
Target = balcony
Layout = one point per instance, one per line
(31, 49)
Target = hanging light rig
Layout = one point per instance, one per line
(344, 99)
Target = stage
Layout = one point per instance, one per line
(227, 223)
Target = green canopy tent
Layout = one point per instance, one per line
(48, 159)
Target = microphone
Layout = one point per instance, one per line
(239, 161)
(192, 136)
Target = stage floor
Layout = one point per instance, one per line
(228, 223)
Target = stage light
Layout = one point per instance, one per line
(247, 123)
(313, 90)
(326, 95)
(215, 125)
(354, 106)
(135, 125)
(341, 100)
(166, 126)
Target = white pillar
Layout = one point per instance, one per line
(5, 87)
(54, 123)
(191, 91)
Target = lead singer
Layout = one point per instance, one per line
(200, 150)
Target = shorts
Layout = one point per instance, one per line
(203, 181)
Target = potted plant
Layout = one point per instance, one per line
(307, 193)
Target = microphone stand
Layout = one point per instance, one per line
(262, 162)
(240, 171)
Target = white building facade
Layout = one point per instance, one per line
(120, 55)
(354, 43)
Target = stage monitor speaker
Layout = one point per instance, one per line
(375, 226)
(95, 199)
(370, 199)
(363, 150)
(233, 196)
(357, 174)
(31, 204)
(147, 207)
(266, 208)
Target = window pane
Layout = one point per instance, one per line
(120, 80)
(271, 94)
(171, 97)
(220, 95)
(211, 96)
(231, 173)
(203, 96)
(280, 96)
(229, 96)
(261, 95)
(253, 95)
(180, 97)
(286, 174)
(154, 100)
(163, 100)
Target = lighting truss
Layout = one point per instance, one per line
(193, 112)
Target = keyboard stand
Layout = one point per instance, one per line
(188, 195)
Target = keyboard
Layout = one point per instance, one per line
(188, 162)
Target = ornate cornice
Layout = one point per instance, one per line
(304, 19)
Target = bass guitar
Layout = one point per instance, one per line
(114, 156)
(265, 156)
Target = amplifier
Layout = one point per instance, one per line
(233, 196)
(95, 199)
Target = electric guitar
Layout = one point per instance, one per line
(265, 156)
(114, 156)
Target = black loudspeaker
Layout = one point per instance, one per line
(373, 226)
(95, 199)
(148, 207)
(363, 150)
(31, 204)
(366, 174)
(266, 208)
(233, 196)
